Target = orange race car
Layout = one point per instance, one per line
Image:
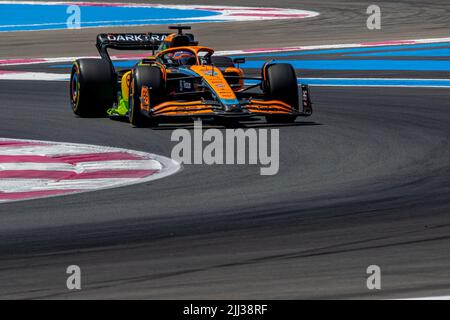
(182, 79)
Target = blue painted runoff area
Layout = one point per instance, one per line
(358, 82)
(411, 53)
(358, 65)
(352, 50)
(361, 65)
(28, 17)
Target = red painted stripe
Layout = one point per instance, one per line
(33, 194)
(14, 61)
(269, 49)
(237, 9)
(19, 144)
(36, 174)
(70, 175)
(271, 15)
(27, 158)
(8, 72)
(94, 157)
(70, 159)
(109, 4)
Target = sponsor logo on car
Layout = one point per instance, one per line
(135, 37)
(210, 73)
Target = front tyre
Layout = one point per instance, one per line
(152, 78)
(281, 84)
(92, 87)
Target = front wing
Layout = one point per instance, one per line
(252, 107)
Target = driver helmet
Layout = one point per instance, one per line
(183, 57)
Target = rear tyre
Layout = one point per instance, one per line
(92, 87)
(222, 62)
(152, 78)
(281, 84)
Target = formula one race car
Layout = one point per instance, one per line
(181, 79)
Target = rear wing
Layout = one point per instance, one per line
(131, 41)
(128, 41)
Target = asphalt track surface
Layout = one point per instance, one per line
(364, 181)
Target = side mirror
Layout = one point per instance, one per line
(239, 60)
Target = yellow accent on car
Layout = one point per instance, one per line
(126, 83)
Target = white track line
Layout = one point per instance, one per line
(45, 150)
(84, 166)
(34, 76)
(429, 298)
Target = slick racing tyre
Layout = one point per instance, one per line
(152, 78)
(92, 87)
(281, 84)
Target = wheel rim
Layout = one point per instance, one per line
(75, 88)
